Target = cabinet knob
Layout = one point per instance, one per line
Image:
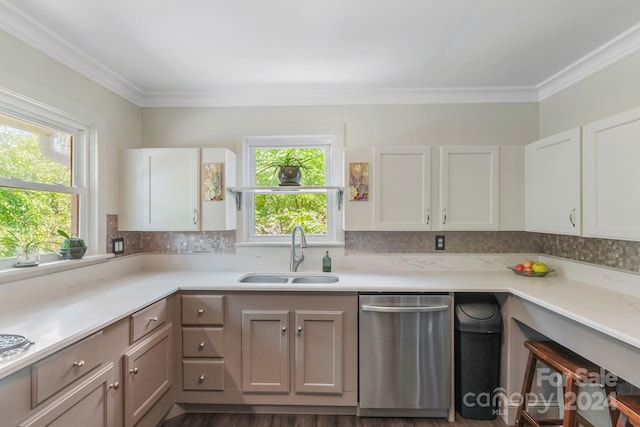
(201, 378)
(284, 329)
(133, 371)
(114, 386)
(299, 330)
(79, 364)
(153, 319)
(201, 345)
(200, 310)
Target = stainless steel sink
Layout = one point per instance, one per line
(288, 278)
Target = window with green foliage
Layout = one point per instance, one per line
(37, 195)
(273, 214)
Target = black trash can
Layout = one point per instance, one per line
(478, 334)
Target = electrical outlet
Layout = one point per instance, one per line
(117, 245)
(439, 243)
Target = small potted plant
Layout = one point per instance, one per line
(71, 247)
(288, 167)
(25, 245)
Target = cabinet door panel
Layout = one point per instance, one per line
(148, 373)
(170, 189)
(87, 404)
(469, 188)
(402, 189)
(553, 199)
(318, 349)
(611, 155)
(265, 351)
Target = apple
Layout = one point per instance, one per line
(519, 267)
(527, 264)
(539, 267)
(528, 269)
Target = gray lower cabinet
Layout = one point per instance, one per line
(317, 339)
(148, 373)
(88, 404)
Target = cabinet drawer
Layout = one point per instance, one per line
(203, 375)
(202, 342)
(148, 319)
(61, 369)
(202, 310)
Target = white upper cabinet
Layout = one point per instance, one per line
(552, 184)
(402, 188)
(163, 189)
(469, 187)
(170, 189)
(610, 177)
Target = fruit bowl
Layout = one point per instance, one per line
(531, 273)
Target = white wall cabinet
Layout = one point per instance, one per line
(161, 190)
(469, 187)
(610, 173)
(402, 188)
(552, 184)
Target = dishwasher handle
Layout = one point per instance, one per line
(410, 309)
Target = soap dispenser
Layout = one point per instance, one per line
(326, 263)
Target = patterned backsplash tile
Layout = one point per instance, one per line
(610, 253)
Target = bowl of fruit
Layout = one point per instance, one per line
(531, 269)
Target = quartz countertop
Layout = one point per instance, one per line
(54, 321)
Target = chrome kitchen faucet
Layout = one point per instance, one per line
(295, 259)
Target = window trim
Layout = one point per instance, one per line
(333, 161)
(83, 182)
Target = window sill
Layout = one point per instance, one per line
(14, 274)
(288, 244)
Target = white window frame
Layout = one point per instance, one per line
(84, 140)
(333, 150)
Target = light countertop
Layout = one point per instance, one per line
(56, 320)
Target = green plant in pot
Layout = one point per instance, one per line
(25, 245)
(288, 166)
(71, 247)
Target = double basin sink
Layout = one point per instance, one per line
(292, 278)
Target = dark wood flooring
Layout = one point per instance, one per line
(279, 420)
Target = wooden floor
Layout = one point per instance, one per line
(268, 420)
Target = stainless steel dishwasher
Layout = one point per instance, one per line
(405, 355)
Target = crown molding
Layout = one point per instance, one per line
(614, 50)
(324, 96)
(43, 40)
(40, 38)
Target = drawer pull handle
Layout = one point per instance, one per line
(114, 386)
(201, 378)
(201, 345)
(153, 319)
(133, 371)
(79, 364)
(200, 310)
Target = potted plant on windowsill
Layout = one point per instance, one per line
(71, 247)
(288, 167)
(25, 245)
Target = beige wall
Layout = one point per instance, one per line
(613, 89)
(25, 71)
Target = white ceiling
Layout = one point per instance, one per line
(254, 52)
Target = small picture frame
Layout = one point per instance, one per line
(213, 182)
(359, 182)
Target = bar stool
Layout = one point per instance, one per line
(575, 370)
(629, 408)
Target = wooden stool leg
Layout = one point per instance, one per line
(570, 402)
(529, 374)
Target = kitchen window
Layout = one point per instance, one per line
(43, 159)
(270, 215)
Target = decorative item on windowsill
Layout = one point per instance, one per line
(25, 246)
(71, 247)
(288, 167)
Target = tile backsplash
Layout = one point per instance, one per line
(619, 254)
